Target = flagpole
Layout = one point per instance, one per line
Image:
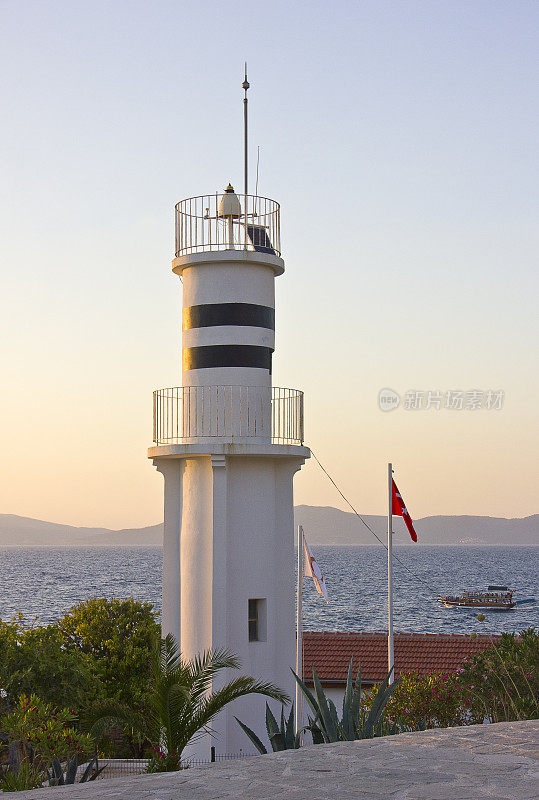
(299, 627)
(390, 658)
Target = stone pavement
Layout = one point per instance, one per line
(498, 762)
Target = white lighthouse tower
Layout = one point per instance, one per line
(228, 444)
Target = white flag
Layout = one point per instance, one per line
(312, 570)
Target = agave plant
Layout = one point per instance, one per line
(182, 704)
(281, 736)
(57, 776)
(325, 725)
(356, 723)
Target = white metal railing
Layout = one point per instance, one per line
(199, 228)
(186, 414)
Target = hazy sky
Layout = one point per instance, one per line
(400, 139)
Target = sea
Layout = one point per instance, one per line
(43, 583)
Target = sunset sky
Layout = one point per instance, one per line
(400, 139)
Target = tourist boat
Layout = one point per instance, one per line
(496, 598)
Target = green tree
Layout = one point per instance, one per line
(34, 660)
(181, 703)
(119, 637)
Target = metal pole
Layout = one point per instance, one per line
(245, 86)
(299, 628)
(390, 658)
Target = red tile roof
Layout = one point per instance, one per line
(330, 653)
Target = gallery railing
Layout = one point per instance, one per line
(185, 414)
(200, 226)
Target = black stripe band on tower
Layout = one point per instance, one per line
(227, 355)
(209, 314)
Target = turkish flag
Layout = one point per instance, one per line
(400, 510)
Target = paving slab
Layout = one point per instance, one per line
(479, 762)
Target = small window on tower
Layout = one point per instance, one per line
(257, 620)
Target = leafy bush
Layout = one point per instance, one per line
(420, 701)
(498, 684)
(39, 735)
(44, 731)
(502, 683)
(161, 761)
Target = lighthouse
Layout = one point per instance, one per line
(228, 444)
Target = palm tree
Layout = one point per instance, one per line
(181, 704)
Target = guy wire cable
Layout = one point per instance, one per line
(417, 577)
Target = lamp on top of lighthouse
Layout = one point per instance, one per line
(230, 208)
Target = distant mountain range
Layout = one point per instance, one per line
(322, 525)
(27, 532)
(331, 526)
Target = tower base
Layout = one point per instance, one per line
(228, 567)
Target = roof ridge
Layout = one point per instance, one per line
(440, 636)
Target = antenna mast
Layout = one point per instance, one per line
(245, 86)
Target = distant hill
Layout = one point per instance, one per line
(27, 532)
(323, 525)
(331, 526)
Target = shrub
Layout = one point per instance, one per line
(44, 732)
(161, 761)
(434, 700)
(498, 684)
(502, 683)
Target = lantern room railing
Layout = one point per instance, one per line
(248, 414)
(201, 228)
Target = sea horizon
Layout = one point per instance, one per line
(355, 575)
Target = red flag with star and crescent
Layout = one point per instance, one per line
(400, 510)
